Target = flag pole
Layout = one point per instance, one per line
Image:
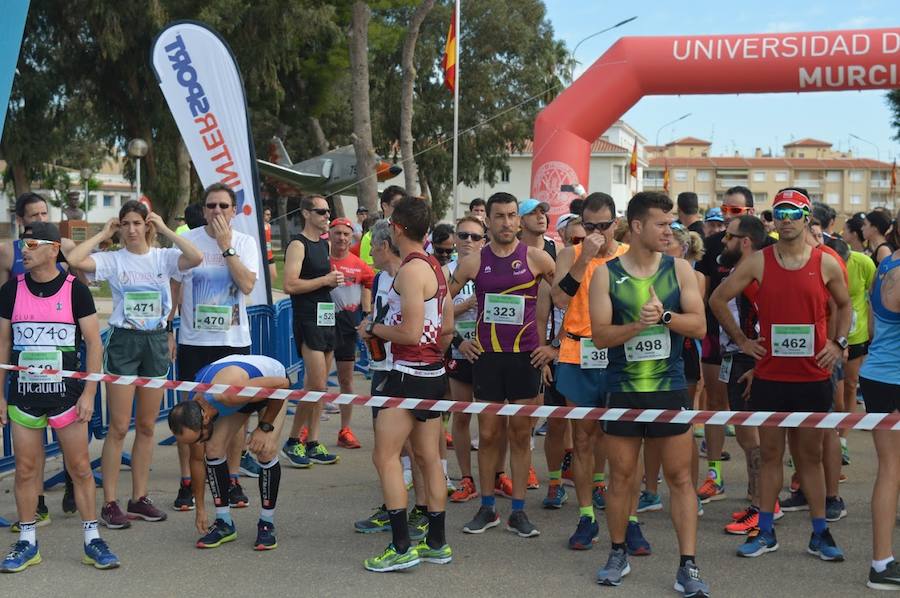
(456, 114)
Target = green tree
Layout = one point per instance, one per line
(893, 100)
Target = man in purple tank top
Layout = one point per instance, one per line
(507, 274)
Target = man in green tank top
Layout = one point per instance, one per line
(642, 306)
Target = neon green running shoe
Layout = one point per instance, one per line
(378, 522)
(418, 524)
(40, 520)
(438, 556)
(391, 560)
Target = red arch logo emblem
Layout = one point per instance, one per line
(635, 67)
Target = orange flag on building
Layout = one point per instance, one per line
(666, 179)
(632, 166)
(448, 62)
(894, 178)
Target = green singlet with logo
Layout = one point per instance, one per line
(650, 361)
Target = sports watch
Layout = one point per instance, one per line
(555, 343)
(842, 342)
(666, 317)
(266, 427)
(229, 252)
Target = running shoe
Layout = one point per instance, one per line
(599, 496)
(842, 478)
(449, 439)
(143, 508)
(758, 543)
(418, 524)
(379, 521)
(889, 579)
(112, 516)
(237, 498)
(585, 534)
(649, 502)
(744, 525)
(407, 478)
(451, 487)
(98, 555)
(438, 556)
(699, 507)
(835, 509)
(823, 546)
(40, 520)
(185, 499)
(42, 515)
(795, 482)
(391, 560)
(319, 454)
(24, 554)
(347, 439)
(249, 466)
(331, 408)
(542, 429)
(518, 524)
(485, 519)
(295, 453)
(710, 491)
(688, 582)
(218, 533)
(778, 514)
(795, 502)
(68, 500)
(503, 486)
(465, 491)
(568, 476)
(615, 569)
(635, 541)
(265, 536)
(726, 456)
(556, 497)
(533, 482)
(845, 454)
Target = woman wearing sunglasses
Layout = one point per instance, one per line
(140, 343)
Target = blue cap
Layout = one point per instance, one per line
(529, 205)
(714, 215)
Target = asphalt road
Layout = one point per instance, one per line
(320, 555)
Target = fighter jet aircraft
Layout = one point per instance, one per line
(330, 173)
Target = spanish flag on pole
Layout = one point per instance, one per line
(448, 62)
(632, 166)
(666, 178)
(894, 178)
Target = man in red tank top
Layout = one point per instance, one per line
(795, 356)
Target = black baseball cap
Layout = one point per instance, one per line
(362, 210)
(45, 231)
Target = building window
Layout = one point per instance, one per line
(704, 175)
(759, 176)
(833, 199)
(681, 175)
(760, 198)
(781, 176)
(833, 176)
(107, 201)
(856, 200)
(857, 176)
(618, 174)
(703, 199)
(504, 176)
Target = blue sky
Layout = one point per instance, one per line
(743, 122)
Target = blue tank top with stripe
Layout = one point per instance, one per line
(884, 352)
(207, 373)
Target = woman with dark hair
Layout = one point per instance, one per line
(853, 233)
(442, 245)
(874, 228)
(141, 342)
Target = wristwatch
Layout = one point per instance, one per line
(666, 317)
(266, 427)
(842, 342)
(229, 252)
(555, 343)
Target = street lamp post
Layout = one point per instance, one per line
(877, 149)
(659, 130)
(137, 149)
(85, 178)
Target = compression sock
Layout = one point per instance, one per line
(269, 481)
(28, 532)
(435, 537)
(399, 529)
(766, 521)
(587, 512)
(91, 532)
(217, 478)
(715, 471)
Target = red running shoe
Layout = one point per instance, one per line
(347, 439)
(503, 486)
(465, 491)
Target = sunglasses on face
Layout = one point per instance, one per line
(466, 236)
(221, 206)
(590, 227)
(788, 213)
(35, 243)
(734, 210)
(444, 251)
(321, 211)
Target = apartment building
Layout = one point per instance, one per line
(847, 183)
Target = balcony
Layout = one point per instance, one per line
(880, 184)
(728, 183)
(653, 183)
(808, 183)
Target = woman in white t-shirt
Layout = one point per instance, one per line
(140, 343)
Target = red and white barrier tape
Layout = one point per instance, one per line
(856, 421)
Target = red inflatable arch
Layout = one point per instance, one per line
(639, 66)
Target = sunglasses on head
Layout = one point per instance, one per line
(321, 211)
(35, 243)
(734, 210)
(590, 227)
(788, 213)
(221, 206)
(466, 236)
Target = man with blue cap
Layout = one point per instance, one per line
(534, 225)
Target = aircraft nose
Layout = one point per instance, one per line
(395, 170)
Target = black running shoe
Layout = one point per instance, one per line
(236, 497)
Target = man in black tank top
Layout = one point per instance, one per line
(308, 279)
